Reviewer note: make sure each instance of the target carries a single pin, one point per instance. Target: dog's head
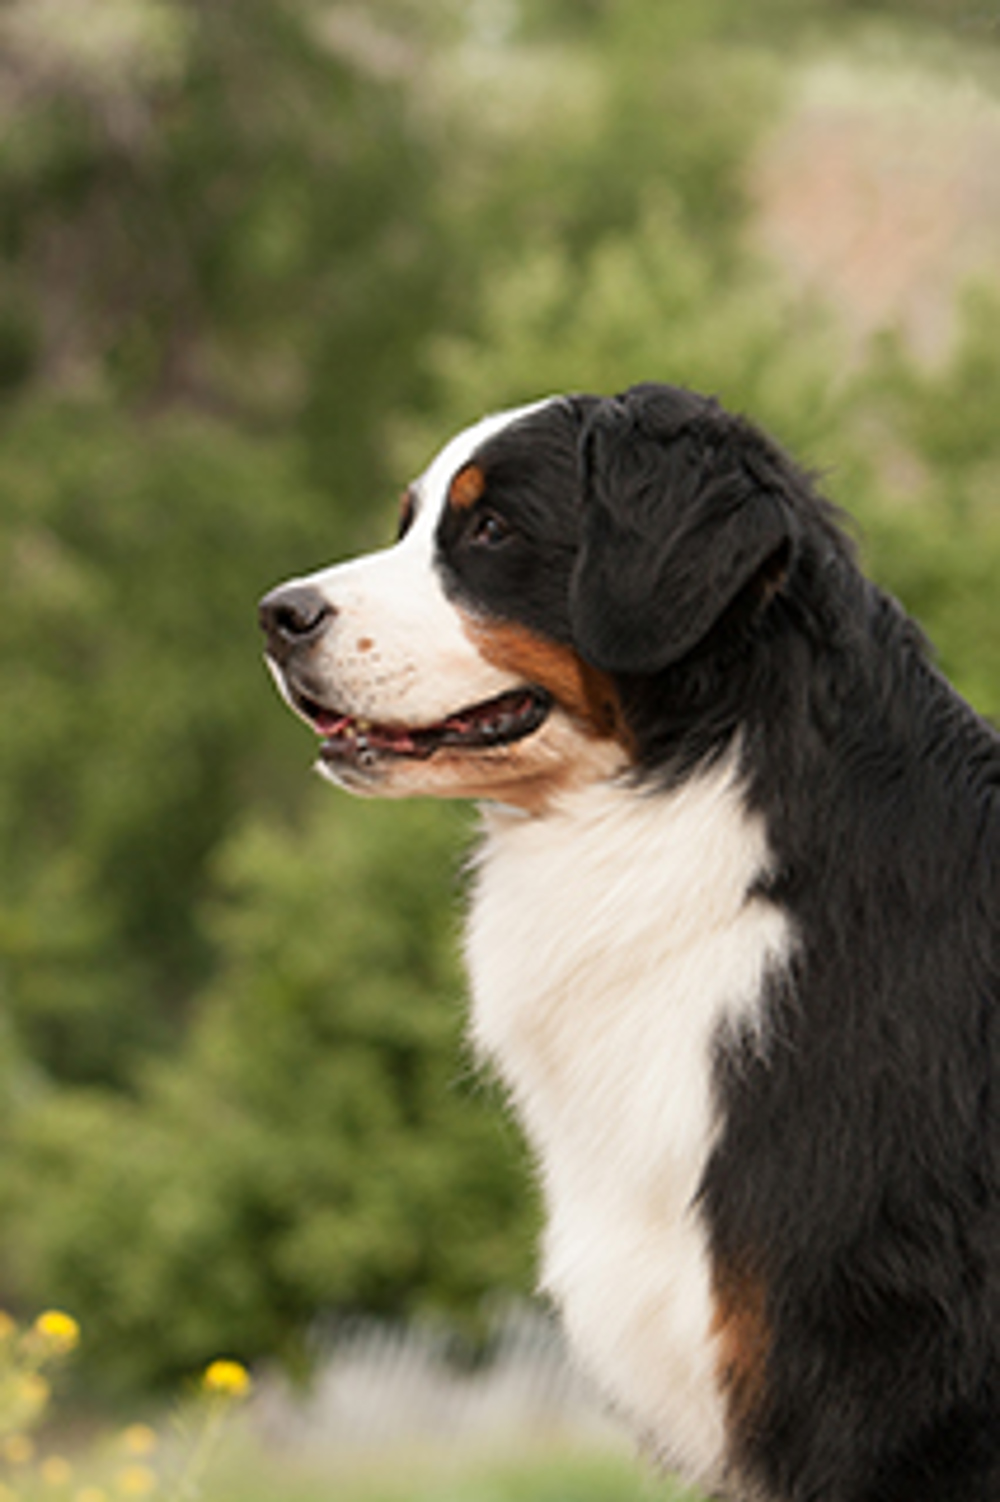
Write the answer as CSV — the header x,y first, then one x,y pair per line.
x,y
553,563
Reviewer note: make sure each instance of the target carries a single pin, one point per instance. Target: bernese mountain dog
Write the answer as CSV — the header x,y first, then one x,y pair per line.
x,y
734,938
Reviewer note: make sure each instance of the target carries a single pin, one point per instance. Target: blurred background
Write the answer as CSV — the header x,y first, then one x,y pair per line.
x,y
259,258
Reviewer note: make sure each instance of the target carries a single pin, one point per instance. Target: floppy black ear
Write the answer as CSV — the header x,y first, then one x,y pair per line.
x,y
680,515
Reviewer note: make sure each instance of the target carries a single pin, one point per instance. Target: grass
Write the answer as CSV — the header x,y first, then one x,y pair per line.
x,y
538,1475
214,1447
247,1472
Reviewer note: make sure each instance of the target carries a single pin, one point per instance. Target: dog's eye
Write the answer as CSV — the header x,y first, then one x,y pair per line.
x,y
489,530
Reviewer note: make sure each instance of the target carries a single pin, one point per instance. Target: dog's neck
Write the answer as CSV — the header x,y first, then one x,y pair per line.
x,y
577,915
608,946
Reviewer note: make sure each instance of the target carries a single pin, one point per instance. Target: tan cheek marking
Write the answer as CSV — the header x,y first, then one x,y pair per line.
x,y
466,488
739,1324
586,694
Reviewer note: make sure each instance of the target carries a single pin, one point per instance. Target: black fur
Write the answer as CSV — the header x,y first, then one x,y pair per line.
x,y
532,479
856,1178
682,511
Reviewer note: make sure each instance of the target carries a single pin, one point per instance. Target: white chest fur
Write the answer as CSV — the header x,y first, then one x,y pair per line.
x,y
607,944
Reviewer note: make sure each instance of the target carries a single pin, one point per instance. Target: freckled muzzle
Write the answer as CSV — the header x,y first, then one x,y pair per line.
x,y
296,617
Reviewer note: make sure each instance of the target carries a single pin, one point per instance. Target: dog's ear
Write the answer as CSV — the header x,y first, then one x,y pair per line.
x,y
681,513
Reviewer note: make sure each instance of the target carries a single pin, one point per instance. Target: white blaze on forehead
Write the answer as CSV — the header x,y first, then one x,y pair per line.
x,y
432,487
396,650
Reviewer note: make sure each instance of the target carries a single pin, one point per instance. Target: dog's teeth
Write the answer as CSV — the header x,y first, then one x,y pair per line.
x,y
363,726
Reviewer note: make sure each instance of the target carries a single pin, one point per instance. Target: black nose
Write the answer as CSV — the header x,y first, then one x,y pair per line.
x,y
293,616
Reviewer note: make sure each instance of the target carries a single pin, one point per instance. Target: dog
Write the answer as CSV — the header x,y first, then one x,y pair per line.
x,y
734,934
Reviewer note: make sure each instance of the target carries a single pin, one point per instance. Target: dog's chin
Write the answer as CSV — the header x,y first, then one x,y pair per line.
x,y
527,773
443,774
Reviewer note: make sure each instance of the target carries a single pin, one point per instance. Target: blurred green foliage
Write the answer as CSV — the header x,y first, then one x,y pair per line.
x,y
131,693
314,1146
257,261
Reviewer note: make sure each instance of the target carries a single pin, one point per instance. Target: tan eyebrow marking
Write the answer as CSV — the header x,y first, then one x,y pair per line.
x,y
466,487
407,510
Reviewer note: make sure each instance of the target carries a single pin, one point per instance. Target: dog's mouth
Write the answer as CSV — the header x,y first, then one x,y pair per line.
x,y
487,726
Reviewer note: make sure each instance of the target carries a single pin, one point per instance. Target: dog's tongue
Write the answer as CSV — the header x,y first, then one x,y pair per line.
x,y
331,725
346,728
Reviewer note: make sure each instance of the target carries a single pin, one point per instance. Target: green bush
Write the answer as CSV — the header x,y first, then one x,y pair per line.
x,y
134,718
316,1146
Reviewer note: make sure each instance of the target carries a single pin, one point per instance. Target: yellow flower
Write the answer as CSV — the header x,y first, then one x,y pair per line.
x,y
135,1481
18,1449
88,1494
139,1439
55,1470
59,1331
228,1378
8,1329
